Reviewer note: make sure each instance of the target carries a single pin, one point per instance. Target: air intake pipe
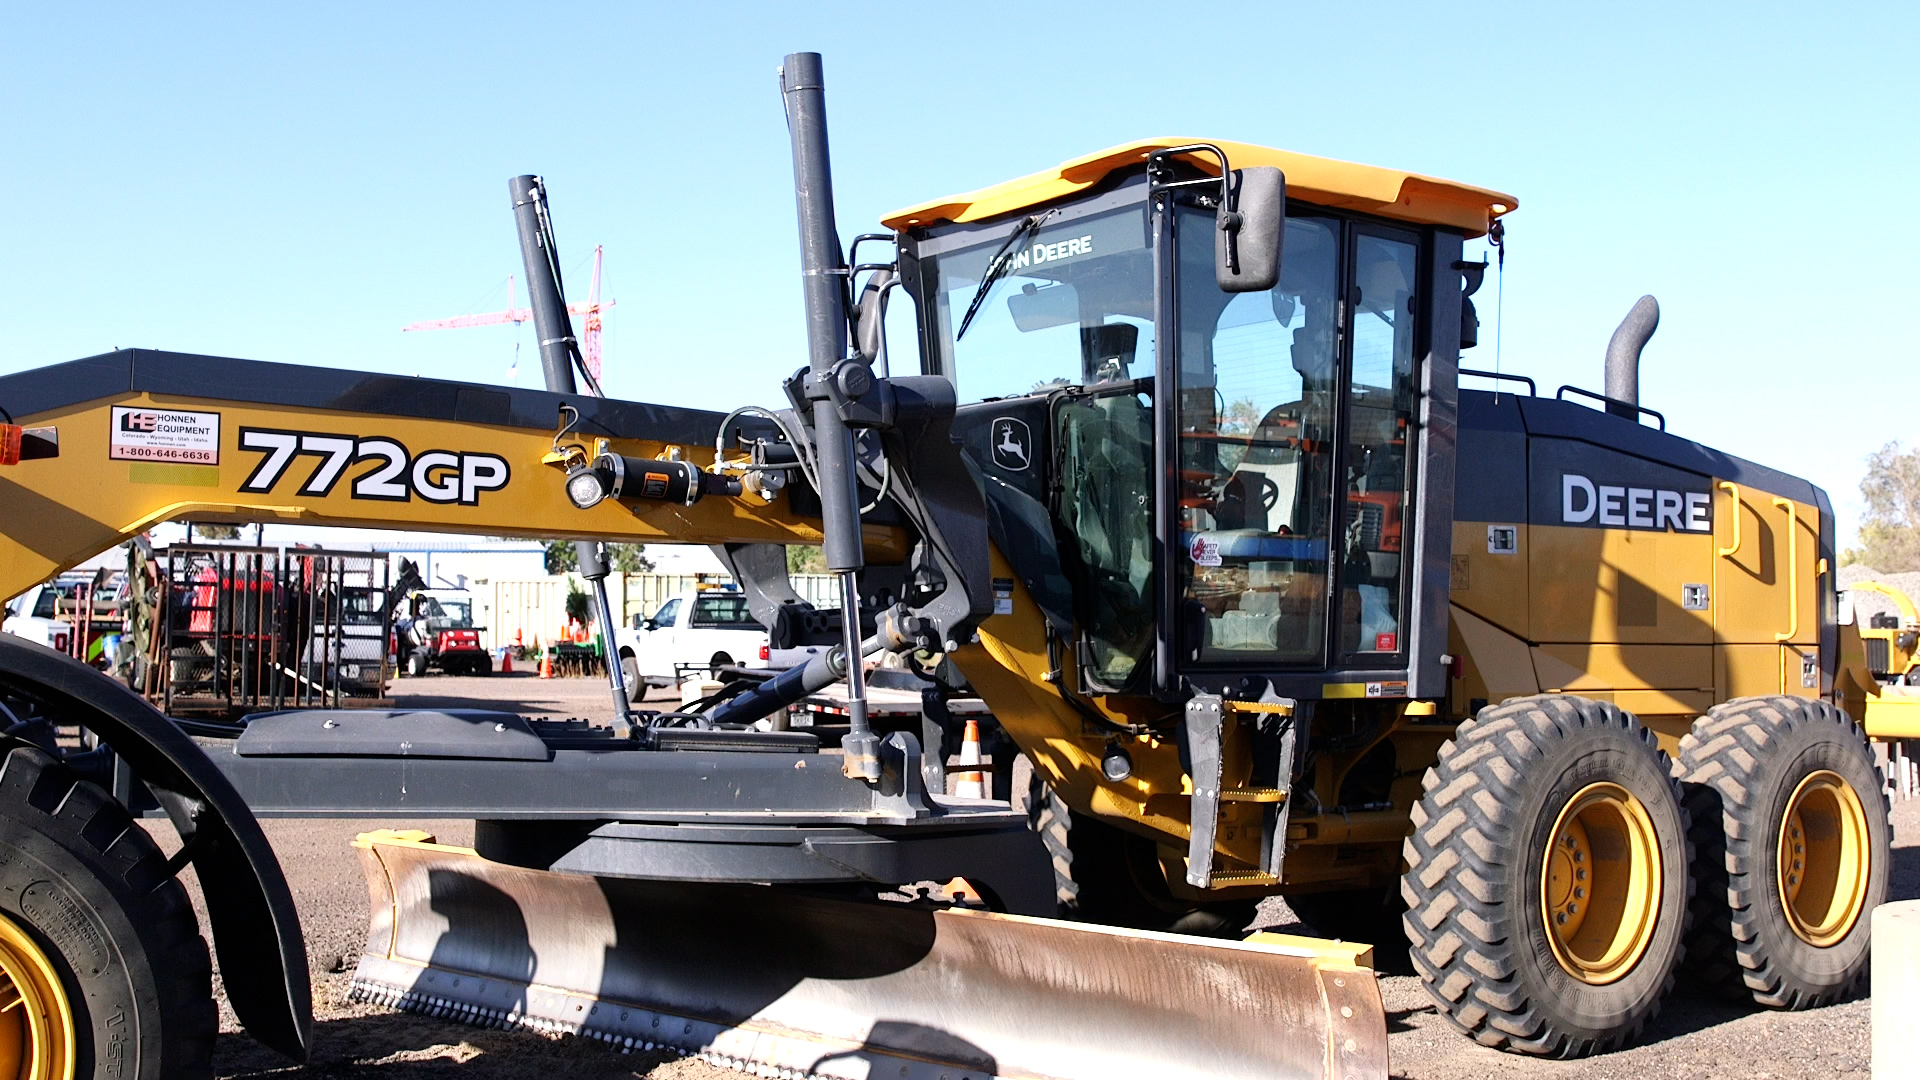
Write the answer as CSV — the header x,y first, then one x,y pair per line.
x,y
1623,357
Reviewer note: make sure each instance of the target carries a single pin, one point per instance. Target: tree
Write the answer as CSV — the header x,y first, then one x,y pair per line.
x,y
621,558
213,532
578,605
806,559
629,559
1890,533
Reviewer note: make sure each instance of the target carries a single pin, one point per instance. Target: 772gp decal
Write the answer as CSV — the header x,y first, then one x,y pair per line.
x,y
438,476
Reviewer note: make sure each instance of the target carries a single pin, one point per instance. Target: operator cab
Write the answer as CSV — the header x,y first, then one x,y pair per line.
x,y
1274,524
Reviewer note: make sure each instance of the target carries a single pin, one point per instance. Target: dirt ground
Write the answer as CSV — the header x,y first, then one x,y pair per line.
x,y
1693,1037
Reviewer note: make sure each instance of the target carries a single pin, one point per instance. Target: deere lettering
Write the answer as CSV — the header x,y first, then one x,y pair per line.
x,y
1583,502
1046,253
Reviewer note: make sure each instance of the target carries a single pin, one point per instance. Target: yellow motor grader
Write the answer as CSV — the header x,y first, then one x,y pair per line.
x,y
1532,694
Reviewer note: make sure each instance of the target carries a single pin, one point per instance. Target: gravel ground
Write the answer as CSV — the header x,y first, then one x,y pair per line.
x,y
1693,1037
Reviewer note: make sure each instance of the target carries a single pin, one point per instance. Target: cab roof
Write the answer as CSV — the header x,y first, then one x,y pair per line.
x,y
1341,185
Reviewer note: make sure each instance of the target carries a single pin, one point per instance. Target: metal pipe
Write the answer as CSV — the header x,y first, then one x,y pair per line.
x,y
1623,355
550,323
823,275
593,566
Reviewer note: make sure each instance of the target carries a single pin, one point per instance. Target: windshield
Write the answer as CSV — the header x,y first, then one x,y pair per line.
x,y
447,613
1073,304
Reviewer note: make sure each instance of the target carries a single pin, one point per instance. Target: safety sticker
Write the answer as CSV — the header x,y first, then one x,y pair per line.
x,y
1205,551
1003,596
185,438
653,485
1386,689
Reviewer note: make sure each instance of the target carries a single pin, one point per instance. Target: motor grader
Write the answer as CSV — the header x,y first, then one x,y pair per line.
x,y
1186,489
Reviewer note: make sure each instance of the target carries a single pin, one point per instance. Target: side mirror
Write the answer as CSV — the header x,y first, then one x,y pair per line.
x,y
869,324
1253,218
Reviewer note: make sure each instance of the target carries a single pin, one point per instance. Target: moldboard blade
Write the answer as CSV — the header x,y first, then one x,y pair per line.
x,y
786,984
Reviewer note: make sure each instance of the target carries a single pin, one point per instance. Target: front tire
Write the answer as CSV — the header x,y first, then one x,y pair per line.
x,y
86,903
1547,877
1108,876
1765,776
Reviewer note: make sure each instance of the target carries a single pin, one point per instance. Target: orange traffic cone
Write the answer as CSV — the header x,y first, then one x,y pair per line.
x,y
970,783
546,665
506,661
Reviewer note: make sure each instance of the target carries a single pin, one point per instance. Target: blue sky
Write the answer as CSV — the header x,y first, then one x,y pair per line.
x,y
278,184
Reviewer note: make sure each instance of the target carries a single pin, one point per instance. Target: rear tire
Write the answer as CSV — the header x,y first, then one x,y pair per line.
x,y
416,663
1743,765
89,888
1107,876
1547,877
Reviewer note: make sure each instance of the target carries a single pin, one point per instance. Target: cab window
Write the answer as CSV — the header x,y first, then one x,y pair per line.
x,y
667,612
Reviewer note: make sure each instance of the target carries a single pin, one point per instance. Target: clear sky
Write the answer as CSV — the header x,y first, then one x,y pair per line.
x,y
295,185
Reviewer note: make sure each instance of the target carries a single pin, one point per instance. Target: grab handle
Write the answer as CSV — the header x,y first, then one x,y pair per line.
x,y
1734,490
1793,570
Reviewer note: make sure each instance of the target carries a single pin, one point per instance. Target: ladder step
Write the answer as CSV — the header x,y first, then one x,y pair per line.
x,y
1254,795
1225,879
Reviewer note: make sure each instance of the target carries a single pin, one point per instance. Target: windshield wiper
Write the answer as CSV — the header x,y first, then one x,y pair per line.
x,y
998,265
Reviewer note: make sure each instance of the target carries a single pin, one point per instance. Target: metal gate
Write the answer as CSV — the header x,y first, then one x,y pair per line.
x,y
248,629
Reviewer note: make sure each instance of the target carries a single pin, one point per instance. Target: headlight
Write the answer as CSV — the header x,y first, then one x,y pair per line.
x,y
586,487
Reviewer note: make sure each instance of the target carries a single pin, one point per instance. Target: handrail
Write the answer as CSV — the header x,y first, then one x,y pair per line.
x,y
1732,489
1477,373
1561,395
1793,570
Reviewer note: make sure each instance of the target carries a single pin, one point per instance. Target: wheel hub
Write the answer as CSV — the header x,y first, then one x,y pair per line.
x,y
1822,859
36,1023
1600,884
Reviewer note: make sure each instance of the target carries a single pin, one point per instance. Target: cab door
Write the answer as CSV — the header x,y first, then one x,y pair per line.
x,y
1766,593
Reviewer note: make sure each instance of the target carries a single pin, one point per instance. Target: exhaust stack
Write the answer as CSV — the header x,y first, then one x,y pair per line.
x,y
1623,356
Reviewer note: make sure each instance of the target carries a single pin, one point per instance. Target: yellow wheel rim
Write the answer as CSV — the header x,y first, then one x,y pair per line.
x,y
1823,862
1600,884
36,1024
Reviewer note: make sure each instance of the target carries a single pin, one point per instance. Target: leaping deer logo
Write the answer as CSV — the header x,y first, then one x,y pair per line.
x,y
1010,440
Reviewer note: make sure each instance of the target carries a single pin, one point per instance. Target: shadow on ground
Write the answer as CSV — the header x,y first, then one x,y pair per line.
x,y
402,1046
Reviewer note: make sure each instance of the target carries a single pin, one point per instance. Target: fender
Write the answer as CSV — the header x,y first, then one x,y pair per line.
x,y
256,931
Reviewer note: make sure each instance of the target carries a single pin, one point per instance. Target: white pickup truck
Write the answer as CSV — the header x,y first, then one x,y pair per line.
x,y
693,632
34,615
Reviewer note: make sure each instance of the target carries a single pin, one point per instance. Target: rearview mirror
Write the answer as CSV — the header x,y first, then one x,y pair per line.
x,y
1252,219
1034,308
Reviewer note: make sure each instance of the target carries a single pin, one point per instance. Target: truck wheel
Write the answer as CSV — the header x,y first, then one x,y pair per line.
x,y
96,938
1107,876
636,687
715,663
416,663
1372,916
1547,877
1791,850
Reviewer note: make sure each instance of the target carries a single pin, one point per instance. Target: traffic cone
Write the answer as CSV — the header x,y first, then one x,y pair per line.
x,y
506,661
546,665
970,783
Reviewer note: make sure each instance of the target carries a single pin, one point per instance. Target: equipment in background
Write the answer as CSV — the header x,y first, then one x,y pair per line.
x,y
436,632
591,318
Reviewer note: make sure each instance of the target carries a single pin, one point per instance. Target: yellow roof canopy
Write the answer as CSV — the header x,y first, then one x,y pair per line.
x,y
1323,181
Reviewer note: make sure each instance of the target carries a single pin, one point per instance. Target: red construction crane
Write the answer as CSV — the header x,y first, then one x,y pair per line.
x,y
590,312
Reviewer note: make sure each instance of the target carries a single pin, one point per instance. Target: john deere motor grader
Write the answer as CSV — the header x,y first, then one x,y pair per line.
x,y
1186,490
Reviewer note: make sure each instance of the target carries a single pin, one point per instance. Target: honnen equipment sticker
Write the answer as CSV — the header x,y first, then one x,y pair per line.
x,y
187,438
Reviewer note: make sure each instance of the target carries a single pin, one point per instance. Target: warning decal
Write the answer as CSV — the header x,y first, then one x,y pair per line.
x,y
187,438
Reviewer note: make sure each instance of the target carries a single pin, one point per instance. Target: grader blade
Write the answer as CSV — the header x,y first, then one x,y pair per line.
x,y
782,984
